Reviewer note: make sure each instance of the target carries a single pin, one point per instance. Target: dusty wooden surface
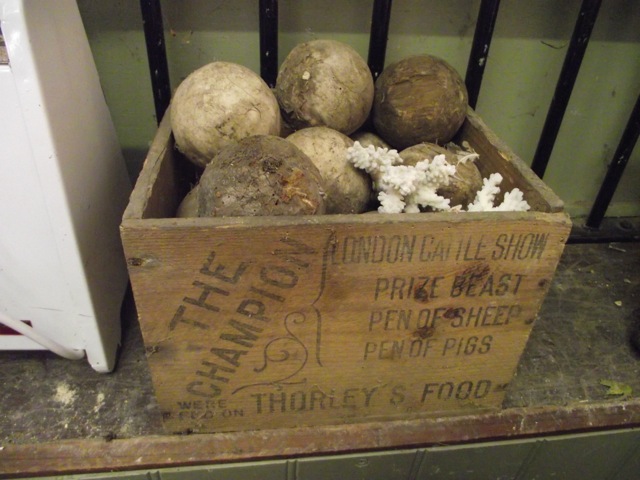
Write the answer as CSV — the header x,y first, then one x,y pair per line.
x,y
71,418
305,329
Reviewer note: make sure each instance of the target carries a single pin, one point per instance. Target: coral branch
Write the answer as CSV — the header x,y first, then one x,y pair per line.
x,y
404,188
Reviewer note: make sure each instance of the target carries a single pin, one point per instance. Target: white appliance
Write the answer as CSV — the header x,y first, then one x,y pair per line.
x,y
63,188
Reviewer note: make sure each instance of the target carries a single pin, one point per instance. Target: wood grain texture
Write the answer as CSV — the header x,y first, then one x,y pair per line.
x,y
79,456
310,326
579,339
497,156
253,322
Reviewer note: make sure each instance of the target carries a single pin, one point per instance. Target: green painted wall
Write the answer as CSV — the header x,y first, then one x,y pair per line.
x,y
613,455
528,49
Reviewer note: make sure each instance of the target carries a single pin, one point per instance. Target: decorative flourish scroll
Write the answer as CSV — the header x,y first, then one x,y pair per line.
x,y
287,355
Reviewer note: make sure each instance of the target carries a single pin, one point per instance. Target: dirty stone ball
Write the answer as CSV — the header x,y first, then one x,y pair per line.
x,y
367,138
188,207
419,99
260,175
325,83
348,189
463,186
218,105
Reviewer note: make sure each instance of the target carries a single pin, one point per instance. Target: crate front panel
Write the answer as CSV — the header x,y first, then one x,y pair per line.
x,y
255,326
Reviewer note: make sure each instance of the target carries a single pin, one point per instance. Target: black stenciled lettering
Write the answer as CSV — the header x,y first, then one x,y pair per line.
x,y
375,249
207,290
212,372
315,399
277,401
349,398
457,346
539,244
365,249
379,246
229,355
350,252
368,395
267,294
464,390
382,285
395,349
258,397
397,287
398,394
278,276
479,285
467,252
246,338
457,288
485,344
400,249
218,271
201,404
298,401
421,288
445,391
432,249
487,288
520,246
253,309
203,389
503,285
179,317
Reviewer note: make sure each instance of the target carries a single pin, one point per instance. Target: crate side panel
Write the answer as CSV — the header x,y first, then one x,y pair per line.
x,y
497,157
256,326
165,178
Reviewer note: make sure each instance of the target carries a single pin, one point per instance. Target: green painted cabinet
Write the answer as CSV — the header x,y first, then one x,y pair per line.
x,y
609,455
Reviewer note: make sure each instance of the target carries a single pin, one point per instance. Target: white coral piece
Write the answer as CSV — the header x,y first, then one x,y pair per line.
x,y
371,159
404,188
485,198
391,202
403,179
437,171
513,202
487,194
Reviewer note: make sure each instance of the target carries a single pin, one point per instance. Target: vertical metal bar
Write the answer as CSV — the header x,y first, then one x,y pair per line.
x,y
157,55
379,35
480,48
616,168
269,41
568,74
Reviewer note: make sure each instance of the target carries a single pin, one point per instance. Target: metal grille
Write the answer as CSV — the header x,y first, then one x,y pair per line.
x,y
595,229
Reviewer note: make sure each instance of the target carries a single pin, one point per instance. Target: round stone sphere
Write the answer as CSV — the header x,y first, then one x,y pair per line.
x,y
325,83
260,175
419,99
218,105
347,188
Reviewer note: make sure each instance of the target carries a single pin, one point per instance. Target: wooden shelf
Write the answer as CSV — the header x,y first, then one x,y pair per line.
x,y
63,417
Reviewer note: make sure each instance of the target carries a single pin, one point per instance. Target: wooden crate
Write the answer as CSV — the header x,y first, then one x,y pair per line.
x,y
270,322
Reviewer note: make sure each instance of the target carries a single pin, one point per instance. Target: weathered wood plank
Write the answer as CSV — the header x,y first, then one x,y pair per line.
x,y
497,156
80,456
335,318
337,322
